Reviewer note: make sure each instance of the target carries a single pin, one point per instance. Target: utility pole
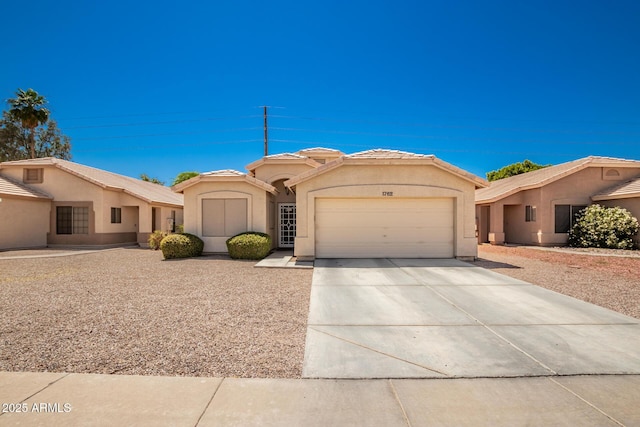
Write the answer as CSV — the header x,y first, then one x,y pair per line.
x,y
266,133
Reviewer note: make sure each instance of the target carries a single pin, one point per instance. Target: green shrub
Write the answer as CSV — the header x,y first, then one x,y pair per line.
x,y
249,245
602,227
155,238
183,245
180,228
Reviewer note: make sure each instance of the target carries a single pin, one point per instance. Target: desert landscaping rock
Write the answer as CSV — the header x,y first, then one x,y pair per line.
x,y
129,312
611,282
126,311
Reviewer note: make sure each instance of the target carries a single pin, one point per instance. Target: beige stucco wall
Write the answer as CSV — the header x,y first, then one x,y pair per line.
x,y
507,223
257,205
271,172
25,222
404,181
68,188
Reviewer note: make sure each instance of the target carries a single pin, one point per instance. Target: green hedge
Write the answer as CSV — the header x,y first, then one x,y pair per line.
x,y
249,245
183,245
602,227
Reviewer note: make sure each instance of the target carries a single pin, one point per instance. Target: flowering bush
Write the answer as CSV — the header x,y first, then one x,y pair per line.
x,y
602,227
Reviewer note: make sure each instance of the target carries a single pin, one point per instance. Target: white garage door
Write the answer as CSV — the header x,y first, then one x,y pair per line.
x,y
384,228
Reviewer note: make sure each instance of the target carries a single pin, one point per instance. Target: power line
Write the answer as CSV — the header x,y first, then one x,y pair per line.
x,y
138,147
441,126
447,150
206,119
150,135
448,138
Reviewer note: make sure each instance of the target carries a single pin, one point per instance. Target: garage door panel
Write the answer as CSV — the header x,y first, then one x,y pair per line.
x,y
369,234
362,228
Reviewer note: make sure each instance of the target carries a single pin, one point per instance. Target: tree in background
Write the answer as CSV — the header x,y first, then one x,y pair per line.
x,y
183,176
145,177
27,130
29,108
514,169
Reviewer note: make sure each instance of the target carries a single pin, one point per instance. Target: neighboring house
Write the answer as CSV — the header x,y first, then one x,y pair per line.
x,y
538,207
49,201
324,204
23,215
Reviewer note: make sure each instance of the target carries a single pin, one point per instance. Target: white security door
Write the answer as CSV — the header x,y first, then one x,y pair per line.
x,y
385,228
287,224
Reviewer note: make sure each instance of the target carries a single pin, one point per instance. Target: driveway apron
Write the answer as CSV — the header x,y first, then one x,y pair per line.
x,y
428,318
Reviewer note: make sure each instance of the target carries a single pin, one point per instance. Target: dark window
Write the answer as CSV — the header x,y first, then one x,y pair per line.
x,y
530,213
64,220
116,215
80,220
565,216
72,220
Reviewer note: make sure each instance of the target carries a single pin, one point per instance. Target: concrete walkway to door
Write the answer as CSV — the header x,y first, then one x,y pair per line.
x,y
417,318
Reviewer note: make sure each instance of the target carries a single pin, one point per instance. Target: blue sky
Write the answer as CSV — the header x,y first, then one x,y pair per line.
x,y
164,87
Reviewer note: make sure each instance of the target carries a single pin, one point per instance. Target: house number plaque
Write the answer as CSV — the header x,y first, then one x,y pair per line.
x,y
387,193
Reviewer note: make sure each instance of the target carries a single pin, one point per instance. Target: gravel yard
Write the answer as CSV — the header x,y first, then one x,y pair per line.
x,y
126,311
612,282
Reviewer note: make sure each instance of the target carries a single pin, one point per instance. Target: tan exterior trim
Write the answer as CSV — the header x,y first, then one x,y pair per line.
x,y
424,160
224,178
282,161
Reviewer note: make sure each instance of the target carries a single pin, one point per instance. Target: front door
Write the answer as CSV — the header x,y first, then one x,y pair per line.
x,y
287,224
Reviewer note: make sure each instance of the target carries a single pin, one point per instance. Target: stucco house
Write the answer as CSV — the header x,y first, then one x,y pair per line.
x,y
538,207
326,204
49,201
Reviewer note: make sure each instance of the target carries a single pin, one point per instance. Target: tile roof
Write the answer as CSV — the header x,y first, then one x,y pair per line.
x,y
282,158
11,187
286,156
224,172
379,153
147,191
505,187
224,175
378,156
620,191
320,150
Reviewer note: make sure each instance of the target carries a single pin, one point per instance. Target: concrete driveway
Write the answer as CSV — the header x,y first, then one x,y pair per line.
x,y
418,318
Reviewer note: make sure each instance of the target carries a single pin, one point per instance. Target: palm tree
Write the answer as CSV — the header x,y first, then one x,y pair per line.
x,y
28,108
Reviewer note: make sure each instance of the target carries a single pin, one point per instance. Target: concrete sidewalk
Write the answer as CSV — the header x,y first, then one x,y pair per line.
x,y
56,399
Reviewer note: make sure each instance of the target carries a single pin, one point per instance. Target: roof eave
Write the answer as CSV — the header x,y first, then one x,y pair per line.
x,y
25,197
427,160
305,176
603,197
179,188
251,167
